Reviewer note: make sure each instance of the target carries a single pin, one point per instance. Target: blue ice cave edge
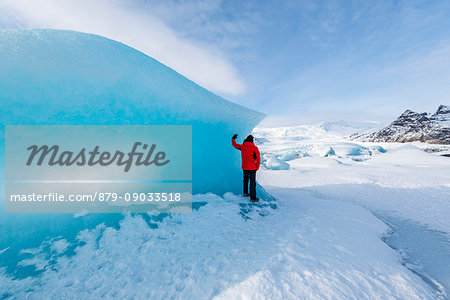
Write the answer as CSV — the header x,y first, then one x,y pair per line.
x,y
67,77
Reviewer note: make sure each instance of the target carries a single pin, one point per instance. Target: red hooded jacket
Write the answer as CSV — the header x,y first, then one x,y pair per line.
x,y
250,155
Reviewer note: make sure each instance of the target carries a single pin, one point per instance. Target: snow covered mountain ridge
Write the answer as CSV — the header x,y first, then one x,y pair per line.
x,y
414,127
320,131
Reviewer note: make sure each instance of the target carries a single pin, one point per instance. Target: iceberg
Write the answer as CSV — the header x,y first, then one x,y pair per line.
x,y
290,155
348,149
274,163
67,77
73,78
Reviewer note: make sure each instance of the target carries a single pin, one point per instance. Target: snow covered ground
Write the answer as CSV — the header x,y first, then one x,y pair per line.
x,y
324,236
402,185
306,247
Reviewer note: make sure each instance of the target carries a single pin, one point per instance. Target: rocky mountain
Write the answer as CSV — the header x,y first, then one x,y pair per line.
x,y
414,127
442,115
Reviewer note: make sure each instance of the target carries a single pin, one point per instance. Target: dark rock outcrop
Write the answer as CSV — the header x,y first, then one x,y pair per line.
x,y
414,127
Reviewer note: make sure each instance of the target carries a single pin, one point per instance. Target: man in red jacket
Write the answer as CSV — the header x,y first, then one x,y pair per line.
x,y
250,164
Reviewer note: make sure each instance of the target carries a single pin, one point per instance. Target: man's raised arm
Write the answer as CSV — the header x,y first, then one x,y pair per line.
x,y
233,141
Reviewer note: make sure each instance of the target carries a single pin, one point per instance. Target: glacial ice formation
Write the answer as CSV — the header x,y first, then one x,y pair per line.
x,y
68,77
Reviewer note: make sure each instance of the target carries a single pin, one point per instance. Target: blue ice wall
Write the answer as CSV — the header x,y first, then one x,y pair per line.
x,y
67,77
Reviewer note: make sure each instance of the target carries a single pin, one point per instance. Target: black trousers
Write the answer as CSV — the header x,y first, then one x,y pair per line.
x,y
250,175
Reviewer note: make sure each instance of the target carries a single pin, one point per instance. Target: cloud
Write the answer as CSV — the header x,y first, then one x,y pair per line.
x,y
140,29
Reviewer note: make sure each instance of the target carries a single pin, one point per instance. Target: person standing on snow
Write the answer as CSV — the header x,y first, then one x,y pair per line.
x,y
250,164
